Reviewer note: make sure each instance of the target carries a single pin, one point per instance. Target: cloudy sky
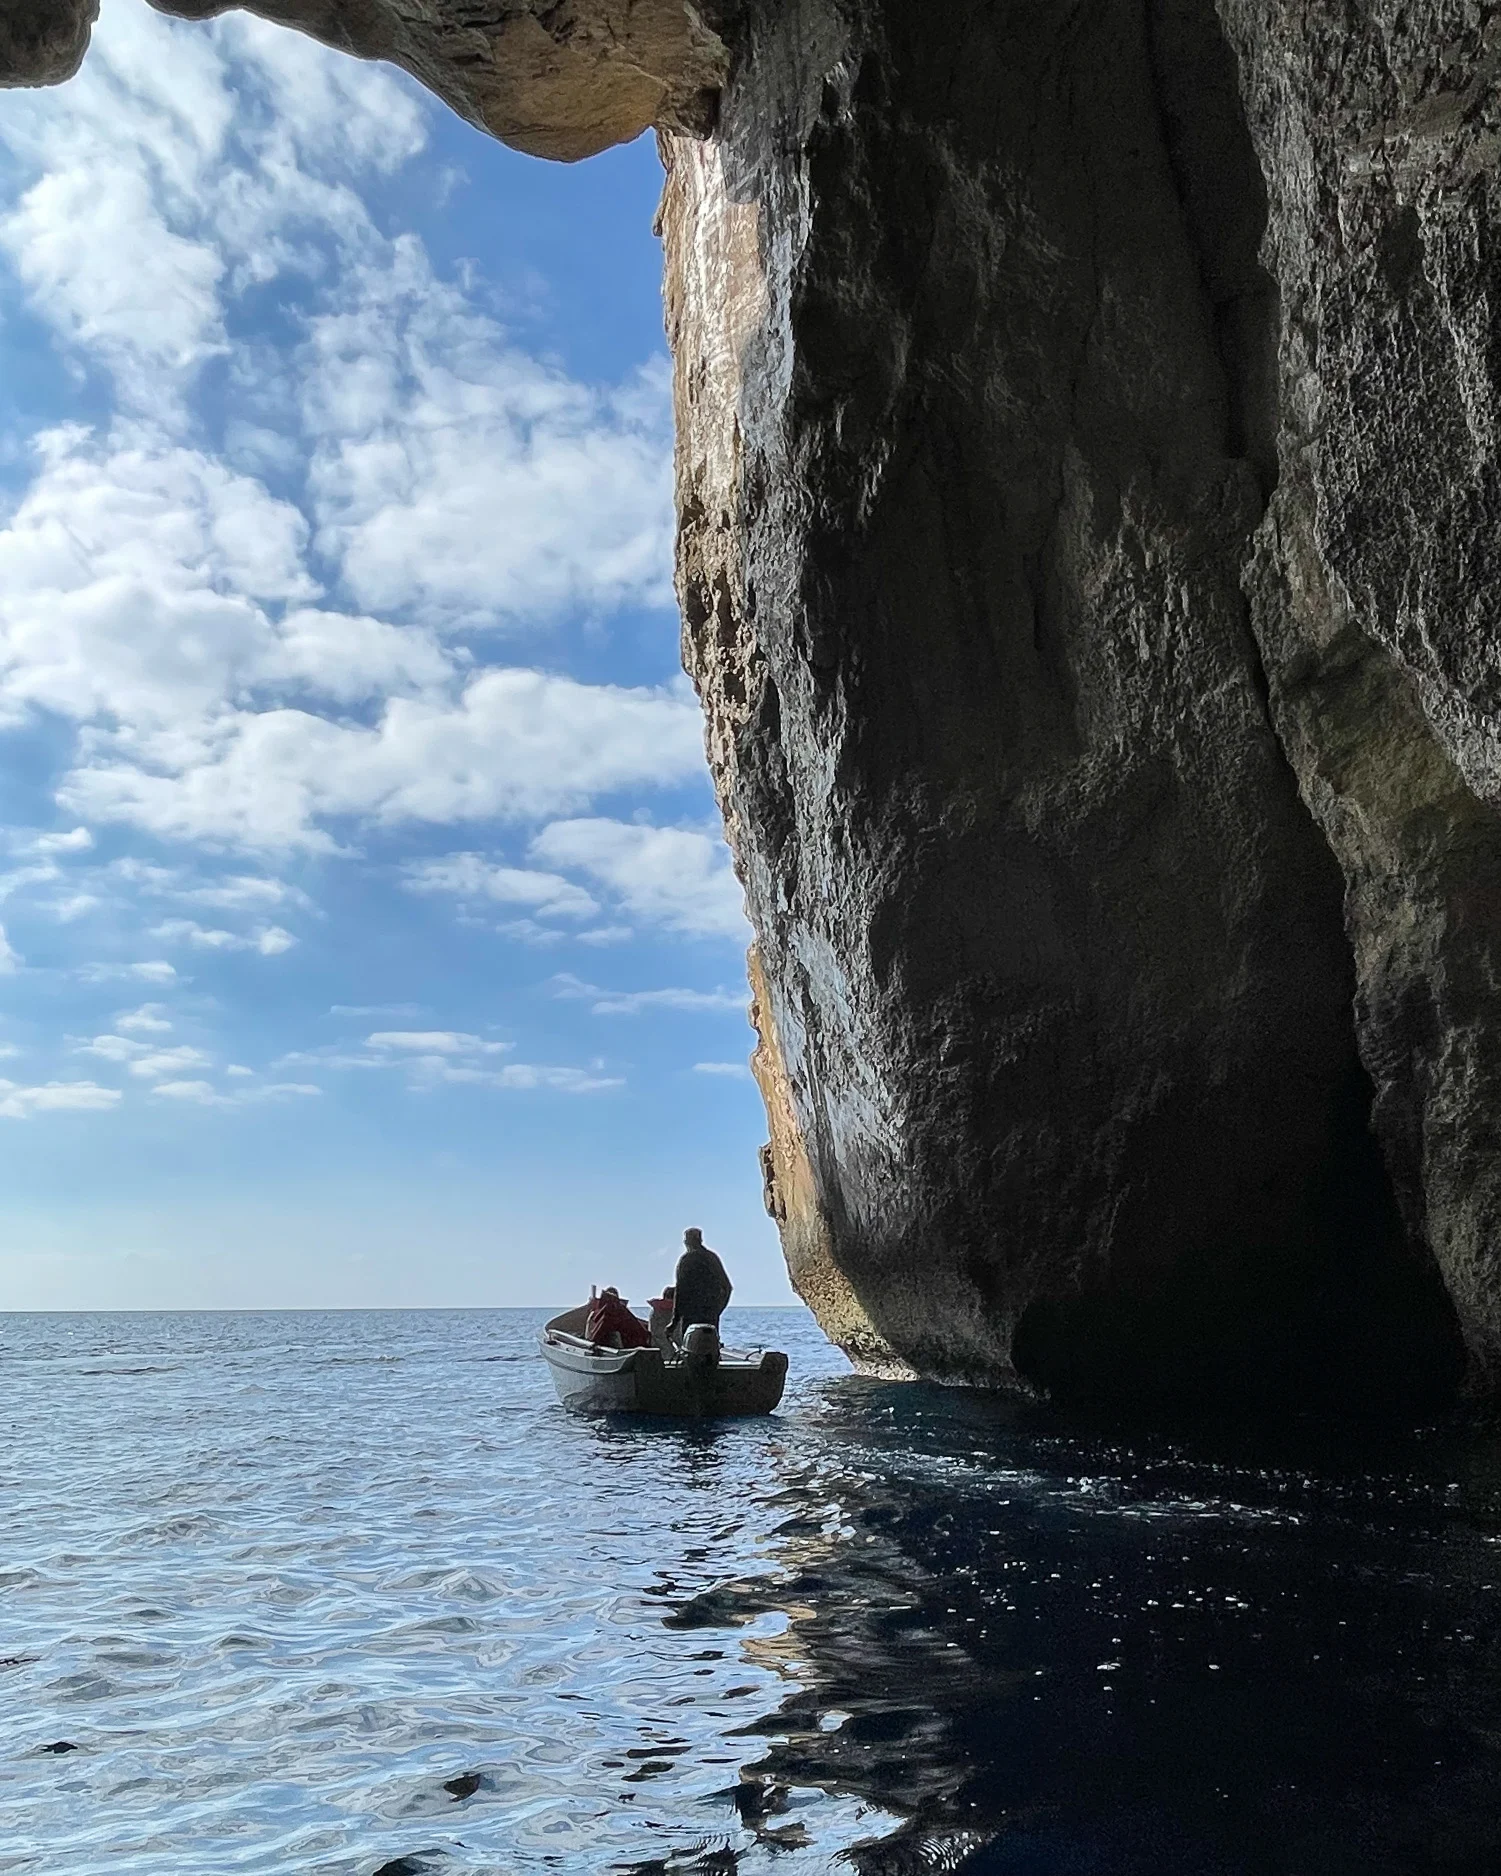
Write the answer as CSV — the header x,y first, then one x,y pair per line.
x,y
368,937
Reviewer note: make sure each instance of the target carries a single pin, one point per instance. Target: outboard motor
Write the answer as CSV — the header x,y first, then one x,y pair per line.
x,y
700,1348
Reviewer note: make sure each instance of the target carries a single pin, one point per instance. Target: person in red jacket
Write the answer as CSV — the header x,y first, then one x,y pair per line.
x,y
661,1314
612,1325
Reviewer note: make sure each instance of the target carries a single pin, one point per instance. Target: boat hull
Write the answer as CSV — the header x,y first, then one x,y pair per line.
x,y
643,1381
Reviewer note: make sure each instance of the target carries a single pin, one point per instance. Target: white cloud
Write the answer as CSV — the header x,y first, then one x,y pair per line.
x,y
20,877
520,1075
434,1042
632,1002
672,877
143,1059
230,892
18,1103
269,940
468,876
342,1056
244,892
507,744
163,601
113,1048
158,1062
460,479
149,1019
75,840
71,906
10,959
376,1009
730,1070
148,971
439,1058
100,260
178,168
527,931
204,1093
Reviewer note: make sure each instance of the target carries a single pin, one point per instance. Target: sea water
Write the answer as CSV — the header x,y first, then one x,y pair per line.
x,y
350,1592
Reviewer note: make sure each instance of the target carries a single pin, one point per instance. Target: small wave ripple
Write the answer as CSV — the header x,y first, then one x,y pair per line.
x,y
349,1594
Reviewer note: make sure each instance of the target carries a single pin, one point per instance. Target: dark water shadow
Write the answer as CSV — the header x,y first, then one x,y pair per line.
x,y
1054,1649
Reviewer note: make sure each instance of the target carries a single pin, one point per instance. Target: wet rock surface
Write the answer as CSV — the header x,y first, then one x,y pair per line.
x,y
1088,494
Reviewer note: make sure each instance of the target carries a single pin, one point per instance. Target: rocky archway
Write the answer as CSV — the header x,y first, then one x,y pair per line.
x,y
1088,493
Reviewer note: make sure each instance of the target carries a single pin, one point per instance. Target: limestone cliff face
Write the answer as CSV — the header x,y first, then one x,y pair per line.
x,y
1088,496
978,415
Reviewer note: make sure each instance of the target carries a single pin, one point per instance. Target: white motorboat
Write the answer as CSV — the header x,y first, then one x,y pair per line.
x,y
706,1380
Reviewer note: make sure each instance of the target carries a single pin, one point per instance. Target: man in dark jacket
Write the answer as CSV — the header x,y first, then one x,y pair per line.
x,y
701,1287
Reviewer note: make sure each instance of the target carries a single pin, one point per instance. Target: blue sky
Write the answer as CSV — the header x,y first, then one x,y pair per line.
x,y
368,935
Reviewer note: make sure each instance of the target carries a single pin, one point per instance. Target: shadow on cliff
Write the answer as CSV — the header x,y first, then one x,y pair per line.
x,y
1344,1316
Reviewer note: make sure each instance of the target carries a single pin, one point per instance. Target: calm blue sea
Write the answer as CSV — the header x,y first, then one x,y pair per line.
x,y
350,1593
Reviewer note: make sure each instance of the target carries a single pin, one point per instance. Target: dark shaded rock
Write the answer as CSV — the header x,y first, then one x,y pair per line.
x,y
1089,508
1375,584
60,1746
43,42
976,415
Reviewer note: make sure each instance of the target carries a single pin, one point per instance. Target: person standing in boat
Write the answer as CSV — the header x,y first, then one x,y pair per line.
x,y
701,1286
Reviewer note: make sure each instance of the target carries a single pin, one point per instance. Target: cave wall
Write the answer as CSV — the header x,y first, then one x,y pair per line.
x,y
1086,463
1374,583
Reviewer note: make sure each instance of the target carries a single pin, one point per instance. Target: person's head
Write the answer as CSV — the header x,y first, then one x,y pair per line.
x,y
610,1290
693,1238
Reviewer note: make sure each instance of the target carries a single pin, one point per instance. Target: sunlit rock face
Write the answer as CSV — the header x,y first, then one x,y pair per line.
x,y
556,78
1087,482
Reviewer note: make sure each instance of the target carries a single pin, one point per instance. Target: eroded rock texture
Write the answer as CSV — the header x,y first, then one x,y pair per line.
x,y
1088,484
1377,579
978,415
43,42
557,78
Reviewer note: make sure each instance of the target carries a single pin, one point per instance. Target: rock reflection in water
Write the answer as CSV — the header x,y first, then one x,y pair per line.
x,y
1052,1652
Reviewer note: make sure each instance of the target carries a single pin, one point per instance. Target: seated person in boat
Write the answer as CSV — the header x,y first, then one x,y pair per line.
x,y
701,1287
661,1314
612,1324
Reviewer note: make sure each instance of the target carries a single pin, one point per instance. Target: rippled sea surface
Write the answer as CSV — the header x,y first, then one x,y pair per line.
x,y
351,1593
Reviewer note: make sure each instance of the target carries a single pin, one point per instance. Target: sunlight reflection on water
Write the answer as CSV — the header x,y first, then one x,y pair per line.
x,y
350,1593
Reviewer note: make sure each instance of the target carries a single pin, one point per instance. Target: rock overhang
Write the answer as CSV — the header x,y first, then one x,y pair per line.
x,y
1101,737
